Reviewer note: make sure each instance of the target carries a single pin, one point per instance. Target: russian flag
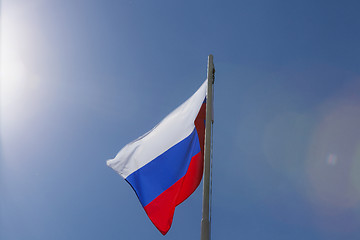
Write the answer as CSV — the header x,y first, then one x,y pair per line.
x,y
165,165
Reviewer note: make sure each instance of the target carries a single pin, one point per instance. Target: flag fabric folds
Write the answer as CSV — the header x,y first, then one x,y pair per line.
x,y
165,165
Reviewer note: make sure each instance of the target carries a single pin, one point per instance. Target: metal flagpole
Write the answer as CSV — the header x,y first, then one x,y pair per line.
x,y
205,221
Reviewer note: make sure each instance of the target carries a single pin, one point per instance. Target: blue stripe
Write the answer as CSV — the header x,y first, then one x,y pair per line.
x,y
161,173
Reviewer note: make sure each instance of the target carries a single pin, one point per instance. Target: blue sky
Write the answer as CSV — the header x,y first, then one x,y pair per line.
x,y
80,79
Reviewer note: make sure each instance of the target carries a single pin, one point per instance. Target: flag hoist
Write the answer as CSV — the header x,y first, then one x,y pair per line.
x,y
165,165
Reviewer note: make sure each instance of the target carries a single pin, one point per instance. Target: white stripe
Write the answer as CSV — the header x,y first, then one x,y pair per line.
x,y
171,130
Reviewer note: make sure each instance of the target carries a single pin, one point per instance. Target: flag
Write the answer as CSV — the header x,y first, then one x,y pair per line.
x,y
165,165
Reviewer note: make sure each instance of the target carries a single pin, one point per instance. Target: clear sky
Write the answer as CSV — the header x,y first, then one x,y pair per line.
x,y
80,79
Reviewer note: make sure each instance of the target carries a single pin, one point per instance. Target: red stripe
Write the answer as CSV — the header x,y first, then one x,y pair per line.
x,y
200,126
161,209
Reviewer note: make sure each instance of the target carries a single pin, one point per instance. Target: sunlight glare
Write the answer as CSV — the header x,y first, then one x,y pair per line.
x,y
13,69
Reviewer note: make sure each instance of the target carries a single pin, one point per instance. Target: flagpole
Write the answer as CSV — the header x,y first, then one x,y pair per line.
x,y
205,221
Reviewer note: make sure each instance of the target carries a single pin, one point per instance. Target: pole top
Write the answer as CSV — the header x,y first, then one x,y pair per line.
x,y
211,67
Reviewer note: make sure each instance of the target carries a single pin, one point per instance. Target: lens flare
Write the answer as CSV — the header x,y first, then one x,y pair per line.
x,y
333,164
331,159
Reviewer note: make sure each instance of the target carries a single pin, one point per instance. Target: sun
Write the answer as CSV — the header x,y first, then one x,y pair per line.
x,y
13,71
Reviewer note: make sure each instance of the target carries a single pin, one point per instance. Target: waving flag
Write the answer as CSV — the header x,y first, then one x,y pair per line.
x,y
165,165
